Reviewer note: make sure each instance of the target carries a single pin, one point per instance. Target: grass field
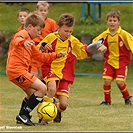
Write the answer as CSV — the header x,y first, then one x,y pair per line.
x,y
83,113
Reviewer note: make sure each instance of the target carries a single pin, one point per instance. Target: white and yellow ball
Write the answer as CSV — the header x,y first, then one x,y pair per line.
x,y
47,111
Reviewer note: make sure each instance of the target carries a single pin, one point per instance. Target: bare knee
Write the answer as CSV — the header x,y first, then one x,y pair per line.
x,y
63,106
119,83
107,82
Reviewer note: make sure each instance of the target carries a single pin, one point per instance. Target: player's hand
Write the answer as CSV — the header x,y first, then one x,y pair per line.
x,y
48,46
61,54
28,43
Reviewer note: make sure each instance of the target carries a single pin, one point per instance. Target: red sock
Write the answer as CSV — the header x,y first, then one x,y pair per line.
x,y
107,93
124,91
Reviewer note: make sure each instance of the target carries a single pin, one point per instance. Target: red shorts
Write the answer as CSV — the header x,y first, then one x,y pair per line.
x,y
62,85
25,80
112,73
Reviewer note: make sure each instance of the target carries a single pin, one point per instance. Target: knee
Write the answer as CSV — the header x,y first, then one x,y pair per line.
x,y
119,83
107,82
51,91
42,91
63,106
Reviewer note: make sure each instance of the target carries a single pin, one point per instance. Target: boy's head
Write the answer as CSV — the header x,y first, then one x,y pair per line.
x,y
34,24
113,20
43,7
114,14
66,24
22,14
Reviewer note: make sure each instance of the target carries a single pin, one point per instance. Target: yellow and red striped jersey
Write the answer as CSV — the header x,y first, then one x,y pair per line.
x,y
119,47
64,67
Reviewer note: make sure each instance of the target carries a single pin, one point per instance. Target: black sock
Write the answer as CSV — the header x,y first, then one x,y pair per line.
x,y
31,104
25,100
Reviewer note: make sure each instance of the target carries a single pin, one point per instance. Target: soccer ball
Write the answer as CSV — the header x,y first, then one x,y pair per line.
x,y
47,111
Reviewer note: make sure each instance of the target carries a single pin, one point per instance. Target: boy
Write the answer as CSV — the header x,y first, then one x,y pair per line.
x,y
59,74
50,26
21,50
119,45
22,15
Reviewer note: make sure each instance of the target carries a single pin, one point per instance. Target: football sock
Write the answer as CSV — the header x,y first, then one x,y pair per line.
x,y
107,93
31,104
48,99
58,108
25,100
124,91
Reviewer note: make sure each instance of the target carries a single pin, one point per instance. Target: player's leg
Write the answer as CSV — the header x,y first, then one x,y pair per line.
x,y
61,106
108,77
35,91
121,83
51,85
62,94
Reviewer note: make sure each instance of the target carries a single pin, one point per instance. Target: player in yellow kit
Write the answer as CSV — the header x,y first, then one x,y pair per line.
x,y
59,74
119,45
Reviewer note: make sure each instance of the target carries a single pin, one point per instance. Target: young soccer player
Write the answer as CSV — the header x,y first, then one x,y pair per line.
x,y
21,50
22,15
59,74
50,26
119,45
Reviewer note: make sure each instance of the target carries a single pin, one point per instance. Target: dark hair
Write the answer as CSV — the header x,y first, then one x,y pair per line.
x,y
23,10
66,19
34,19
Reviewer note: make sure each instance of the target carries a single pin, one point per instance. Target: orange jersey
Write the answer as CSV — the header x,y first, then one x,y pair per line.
x,y
50,26
20,28
19,56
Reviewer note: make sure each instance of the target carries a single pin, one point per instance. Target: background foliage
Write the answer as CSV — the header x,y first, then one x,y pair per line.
x,y
9,24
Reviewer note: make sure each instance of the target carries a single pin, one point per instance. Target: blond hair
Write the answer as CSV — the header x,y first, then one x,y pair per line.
x,y
116,14
43,3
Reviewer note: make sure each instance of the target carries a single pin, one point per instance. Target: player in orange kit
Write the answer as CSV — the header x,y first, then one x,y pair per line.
x,y
50,26
22,48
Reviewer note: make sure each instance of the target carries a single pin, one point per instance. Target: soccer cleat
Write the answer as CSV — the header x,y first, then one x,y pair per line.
x,y
24,119
19,122
105,103
128,101
58,118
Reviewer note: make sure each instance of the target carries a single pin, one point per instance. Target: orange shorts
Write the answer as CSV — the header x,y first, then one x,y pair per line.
x,y
25,80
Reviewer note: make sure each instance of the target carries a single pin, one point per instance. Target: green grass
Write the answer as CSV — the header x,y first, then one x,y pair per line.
x,y
83,113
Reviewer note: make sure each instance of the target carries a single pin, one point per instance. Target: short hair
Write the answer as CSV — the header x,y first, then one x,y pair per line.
x,y
23,10
66,19
44,3
116,14
35,20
